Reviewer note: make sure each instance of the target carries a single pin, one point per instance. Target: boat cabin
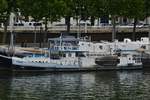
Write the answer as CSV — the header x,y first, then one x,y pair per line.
x,y
65,46
63,43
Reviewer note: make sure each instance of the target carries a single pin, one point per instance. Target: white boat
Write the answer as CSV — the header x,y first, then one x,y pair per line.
x,y
63,53
130,60
126,54
123,61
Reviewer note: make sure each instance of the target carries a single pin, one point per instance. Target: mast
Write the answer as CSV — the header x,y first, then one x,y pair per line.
x,y
11,23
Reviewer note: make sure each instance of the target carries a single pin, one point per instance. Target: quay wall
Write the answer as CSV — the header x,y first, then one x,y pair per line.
x,y
29,34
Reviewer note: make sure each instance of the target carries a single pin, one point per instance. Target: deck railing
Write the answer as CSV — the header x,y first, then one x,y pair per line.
x,y
84,29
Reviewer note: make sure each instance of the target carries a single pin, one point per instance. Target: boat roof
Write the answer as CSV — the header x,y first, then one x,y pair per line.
x,y
64,38
67,50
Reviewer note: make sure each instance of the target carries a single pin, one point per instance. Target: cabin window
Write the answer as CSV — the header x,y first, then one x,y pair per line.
x,y
143,46
64,55
69,55
80,54
101,47
129,58
65,48
118,60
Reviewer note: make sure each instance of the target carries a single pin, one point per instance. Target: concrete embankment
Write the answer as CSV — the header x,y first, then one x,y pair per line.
x,y
30,35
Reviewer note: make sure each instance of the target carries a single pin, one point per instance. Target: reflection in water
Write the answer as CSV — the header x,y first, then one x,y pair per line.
x,y
5,82
126,85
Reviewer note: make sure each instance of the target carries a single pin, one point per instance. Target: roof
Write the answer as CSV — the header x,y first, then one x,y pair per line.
x,y
64,38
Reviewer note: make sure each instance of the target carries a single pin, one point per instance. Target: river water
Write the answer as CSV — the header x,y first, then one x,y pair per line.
x,y
108,85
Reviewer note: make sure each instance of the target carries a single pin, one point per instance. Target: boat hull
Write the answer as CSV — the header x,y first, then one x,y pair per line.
x,y
107,61
19,64
146,63
5,62
39,69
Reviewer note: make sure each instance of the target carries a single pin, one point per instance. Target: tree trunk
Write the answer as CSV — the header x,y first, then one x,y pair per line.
x,y
4,33
147,20
77,21
134,29
68,23
40,39
92,20
114,28
149,32
98,23
45,33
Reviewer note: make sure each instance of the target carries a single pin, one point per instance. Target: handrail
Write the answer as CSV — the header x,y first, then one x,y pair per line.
x,y
74,28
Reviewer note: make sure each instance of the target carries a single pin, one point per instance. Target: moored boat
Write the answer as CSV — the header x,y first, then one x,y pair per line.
x,y
123,61
110,60
5,62
63,53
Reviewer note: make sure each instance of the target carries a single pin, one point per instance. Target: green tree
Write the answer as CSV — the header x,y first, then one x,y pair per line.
x,y
3,5
114,9
147,13
42,9
135,10
97,9
126,8
69,10
55,10
25,7
6,6
4,17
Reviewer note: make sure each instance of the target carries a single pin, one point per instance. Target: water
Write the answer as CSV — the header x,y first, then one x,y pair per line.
x,y
125,85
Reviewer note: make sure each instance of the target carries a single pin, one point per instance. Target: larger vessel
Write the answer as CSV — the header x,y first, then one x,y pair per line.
x,y
63,53
125,55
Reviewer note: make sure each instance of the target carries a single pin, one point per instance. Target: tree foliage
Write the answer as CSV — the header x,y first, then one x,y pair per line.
x,y
3,6
135,8
6,6
3,10
147,8
53,10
